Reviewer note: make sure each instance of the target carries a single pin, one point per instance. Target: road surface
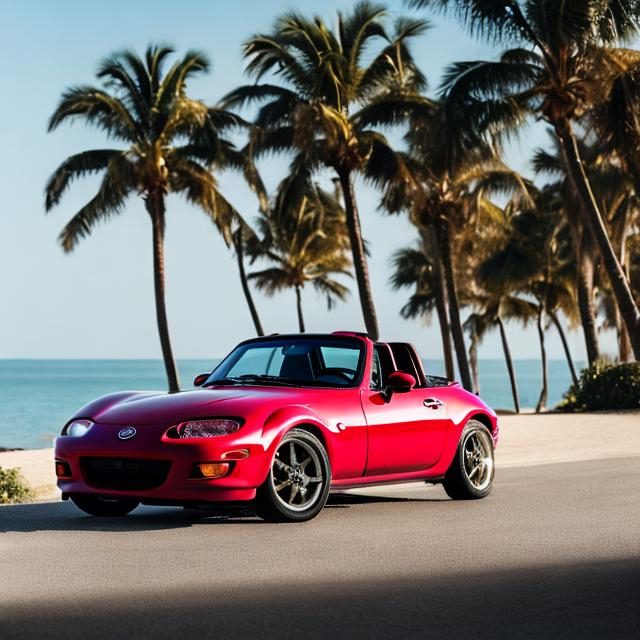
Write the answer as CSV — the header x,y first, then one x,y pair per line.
x,y
554,552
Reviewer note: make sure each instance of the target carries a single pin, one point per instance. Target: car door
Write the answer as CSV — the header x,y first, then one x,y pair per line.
x,y
405,431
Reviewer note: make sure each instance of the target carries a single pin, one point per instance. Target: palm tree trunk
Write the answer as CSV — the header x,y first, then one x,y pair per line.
x,y
510,369
440,295
154,203
445,329
624,345
473,363
360,265
585,279
542,401
299,306
444,244
565,345
239,246
619,282
625,353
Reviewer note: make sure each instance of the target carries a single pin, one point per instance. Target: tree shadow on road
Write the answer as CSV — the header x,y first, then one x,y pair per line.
x,y
597,599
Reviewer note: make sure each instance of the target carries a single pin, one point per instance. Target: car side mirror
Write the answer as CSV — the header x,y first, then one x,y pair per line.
x,y
399,382
200,379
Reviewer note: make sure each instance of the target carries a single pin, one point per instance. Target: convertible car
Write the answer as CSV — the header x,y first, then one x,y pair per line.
x,y
281,422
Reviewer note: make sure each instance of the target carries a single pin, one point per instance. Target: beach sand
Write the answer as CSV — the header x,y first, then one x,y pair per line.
x,y
526,439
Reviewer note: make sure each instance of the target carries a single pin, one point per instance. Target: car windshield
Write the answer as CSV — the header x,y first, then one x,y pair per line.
x,y
297,361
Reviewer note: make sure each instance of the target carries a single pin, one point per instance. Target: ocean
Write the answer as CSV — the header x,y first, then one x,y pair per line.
x,y
37,397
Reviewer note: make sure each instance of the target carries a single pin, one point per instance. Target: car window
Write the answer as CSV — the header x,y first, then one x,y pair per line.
x,y
302,361
376,372
340,358
254,361
275,362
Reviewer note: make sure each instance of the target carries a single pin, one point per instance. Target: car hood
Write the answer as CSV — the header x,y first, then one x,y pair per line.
x,y
156,408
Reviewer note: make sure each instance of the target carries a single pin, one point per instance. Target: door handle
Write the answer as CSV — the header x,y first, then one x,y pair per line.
x,y
433,403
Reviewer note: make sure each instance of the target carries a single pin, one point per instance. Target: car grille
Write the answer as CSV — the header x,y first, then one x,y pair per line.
x,y
124,474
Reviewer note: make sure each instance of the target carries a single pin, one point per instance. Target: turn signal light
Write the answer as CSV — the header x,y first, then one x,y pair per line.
x,y
212,469
236,454
63,470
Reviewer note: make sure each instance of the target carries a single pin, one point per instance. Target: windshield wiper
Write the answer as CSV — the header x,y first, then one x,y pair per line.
x,y
253,378
222,382
260,378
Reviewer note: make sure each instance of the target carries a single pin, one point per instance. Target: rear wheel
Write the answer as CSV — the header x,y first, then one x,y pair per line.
x,y
299,480
96,505
471,473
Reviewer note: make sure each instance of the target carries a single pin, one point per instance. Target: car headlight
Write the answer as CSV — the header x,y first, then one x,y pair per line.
x,y
77,428
207,428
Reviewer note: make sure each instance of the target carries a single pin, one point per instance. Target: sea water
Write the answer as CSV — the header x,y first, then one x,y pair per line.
x,y
37,397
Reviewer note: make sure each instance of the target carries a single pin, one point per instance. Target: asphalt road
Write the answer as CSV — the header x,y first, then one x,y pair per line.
x,y
554,552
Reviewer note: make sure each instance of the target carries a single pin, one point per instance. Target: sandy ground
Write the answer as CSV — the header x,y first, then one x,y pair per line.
x,y
526,439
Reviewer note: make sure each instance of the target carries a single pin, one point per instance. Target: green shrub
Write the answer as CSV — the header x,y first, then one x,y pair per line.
x,y
13,487
604,386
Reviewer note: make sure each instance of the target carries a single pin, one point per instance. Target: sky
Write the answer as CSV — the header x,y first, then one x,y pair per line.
x,y
98,301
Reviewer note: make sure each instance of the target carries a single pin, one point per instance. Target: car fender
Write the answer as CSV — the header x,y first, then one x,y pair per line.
x,y
284,419
463,406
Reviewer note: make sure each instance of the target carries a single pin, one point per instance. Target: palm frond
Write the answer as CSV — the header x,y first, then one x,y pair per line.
x,y
411,268
360,26
419,305
76,166
118,182
331,289
560,24
201,189
247,94
493,20
99,108
271,280
485,79
393,108
544,162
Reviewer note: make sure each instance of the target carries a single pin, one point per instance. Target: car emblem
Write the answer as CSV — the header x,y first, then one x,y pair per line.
x,y
126,433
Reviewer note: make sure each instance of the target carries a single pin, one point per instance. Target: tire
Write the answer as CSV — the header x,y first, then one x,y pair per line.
x,y
470,476
298,482
95,505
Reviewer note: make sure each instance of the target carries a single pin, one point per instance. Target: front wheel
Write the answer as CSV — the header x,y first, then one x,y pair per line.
x,y
471,473
95,505
298,483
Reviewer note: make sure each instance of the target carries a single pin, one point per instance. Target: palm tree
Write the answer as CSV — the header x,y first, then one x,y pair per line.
x,y
617,125
239,241
569,207
477,325
491,229
415,268
495,308
617,199
536,260
305,242
170,143
324,74
441,185
560,63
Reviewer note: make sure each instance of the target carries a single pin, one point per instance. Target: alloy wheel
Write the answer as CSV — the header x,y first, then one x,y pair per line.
x,y
296,475
478,459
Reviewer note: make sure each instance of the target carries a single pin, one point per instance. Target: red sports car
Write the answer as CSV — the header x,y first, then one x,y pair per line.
x,y
281,421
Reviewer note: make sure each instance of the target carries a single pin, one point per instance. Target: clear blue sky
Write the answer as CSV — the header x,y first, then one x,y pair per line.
x,y
98,301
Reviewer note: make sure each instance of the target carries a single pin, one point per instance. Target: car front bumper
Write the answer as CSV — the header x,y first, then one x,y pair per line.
x,y
145,452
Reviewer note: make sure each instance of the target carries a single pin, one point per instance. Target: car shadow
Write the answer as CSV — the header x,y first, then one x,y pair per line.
x,y
348,499
65,516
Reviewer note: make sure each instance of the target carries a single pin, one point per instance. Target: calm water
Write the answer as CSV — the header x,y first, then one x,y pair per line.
x,y
38,396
